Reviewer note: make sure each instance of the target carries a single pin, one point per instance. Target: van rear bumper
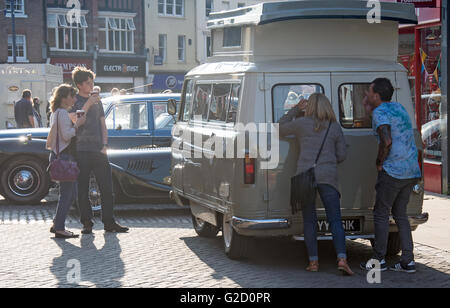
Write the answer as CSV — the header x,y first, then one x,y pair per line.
x,y
258,224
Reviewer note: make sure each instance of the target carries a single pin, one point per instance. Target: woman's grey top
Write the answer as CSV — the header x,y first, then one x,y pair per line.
x,y
334,150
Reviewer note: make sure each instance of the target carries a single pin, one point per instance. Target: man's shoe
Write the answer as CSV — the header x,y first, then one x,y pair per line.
x,y
86,230
367,266
116,228
410,268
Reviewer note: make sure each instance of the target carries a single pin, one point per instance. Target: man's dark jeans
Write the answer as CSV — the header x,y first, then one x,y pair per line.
x,y
393,194
97,163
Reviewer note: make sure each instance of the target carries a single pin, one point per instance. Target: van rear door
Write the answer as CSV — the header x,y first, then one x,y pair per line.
x,y
357,174
283,91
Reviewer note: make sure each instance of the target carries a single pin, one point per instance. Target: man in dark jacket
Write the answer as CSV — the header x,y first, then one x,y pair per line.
x,y
23,111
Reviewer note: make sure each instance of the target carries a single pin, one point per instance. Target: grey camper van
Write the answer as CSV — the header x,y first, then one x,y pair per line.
x,y
264,58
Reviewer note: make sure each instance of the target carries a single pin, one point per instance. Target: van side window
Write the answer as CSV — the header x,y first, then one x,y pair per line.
x,y
351,107
202,95
287,96
219,102
234,103
186,101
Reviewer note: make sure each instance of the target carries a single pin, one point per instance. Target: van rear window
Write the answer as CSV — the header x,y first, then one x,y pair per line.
x,y
351,107
286,96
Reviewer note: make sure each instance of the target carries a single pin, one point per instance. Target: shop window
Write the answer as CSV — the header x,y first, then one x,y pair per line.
x,y
287,96
351,108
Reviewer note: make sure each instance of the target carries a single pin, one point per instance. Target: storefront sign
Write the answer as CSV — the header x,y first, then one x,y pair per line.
x,y
13,70
13,88
121,67
168,82
420,3
69,64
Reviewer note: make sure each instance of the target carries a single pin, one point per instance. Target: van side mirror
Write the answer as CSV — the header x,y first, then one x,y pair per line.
x,y
172,107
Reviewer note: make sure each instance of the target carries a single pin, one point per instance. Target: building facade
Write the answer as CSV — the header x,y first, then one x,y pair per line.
x,y
171,41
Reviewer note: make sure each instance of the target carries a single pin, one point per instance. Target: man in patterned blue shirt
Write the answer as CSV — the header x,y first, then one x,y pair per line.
x,y
398,171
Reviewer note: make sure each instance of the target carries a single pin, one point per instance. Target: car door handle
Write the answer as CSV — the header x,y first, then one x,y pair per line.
x,y
144,134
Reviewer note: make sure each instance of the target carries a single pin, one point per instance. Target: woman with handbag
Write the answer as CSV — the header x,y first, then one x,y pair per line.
x,y
322,148
61,143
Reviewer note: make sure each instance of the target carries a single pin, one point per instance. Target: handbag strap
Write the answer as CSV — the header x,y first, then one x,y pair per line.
x,y
323,143
57,133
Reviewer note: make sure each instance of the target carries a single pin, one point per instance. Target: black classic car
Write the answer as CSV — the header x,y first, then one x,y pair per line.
x,y
139,131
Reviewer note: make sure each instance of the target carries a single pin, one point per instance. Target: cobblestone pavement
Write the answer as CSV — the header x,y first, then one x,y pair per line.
x,y
162,250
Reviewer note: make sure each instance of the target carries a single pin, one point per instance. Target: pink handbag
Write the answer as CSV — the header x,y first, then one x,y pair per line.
x,y
61,170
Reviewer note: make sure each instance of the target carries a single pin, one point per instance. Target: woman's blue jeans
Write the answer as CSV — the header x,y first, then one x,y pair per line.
x,y
331,200
67,195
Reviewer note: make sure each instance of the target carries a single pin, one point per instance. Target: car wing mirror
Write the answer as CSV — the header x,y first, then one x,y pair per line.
x,y
172,108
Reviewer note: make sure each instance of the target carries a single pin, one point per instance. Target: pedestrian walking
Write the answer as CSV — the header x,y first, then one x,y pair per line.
x,y
23,111
322,145
37,113
92,143
61,140
398,171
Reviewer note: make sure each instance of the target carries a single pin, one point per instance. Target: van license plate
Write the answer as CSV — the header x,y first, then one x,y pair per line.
x,y
350,225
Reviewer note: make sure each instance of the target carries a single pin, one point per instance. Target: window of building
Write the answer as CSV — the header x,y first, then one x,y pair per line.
x,y
171,8
287,96
19,6
181,48
226,5
351,107
240,5
66,36
209,7
163,47
21,48
116,34
232,37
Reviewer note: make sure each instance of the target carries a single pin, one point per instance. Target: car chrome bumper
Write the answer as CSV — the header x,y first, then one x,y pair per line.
x,y
414,220
254,224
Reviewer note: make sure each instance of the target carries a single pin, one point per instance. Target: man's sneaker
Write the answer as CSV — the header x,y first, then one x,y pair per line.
x,y
86,230
410,268
116,228
367,266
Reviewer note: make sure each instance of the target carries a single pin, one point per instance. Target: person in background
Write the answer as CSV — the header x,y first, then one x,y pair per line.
x,y
62,134
398,171
123,92
115,92
311,131
37,113
23,111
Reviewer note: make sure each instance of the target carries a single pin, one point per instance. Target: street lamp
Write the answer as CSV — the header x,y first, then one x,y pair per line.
x,y
13,20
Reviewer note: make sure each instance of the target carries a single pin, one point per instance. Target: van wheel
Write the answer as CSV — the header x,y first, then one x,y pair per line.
x,y
394,244
235,245
203,228
24,181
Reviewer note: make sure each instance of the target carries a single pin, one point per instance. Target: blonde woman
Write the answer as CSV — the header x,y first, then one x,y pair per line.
x,y
309,122
63,129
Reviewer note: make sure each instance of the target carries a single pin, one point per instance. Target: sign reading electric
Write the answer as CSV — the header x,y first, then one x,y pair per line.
x,y
121,67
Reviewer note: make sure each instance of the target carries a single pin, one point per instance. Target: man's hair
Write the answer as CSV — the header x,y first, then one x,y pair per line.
x,y
384,88
26,93
81,74
36,99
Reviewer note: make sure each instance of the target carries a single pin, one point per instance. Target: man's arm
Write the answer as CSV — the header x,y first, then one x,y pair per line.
x,y
384,131
31,119
104,134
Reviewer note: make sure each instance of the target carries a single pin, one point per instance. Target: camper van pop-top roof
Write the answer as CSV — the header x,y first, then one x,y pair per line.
x,y
308,29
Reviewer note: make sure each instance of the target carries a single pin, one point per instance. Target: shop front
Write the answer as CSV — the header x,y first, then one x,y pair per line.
x,y
122,73
68,64
167,81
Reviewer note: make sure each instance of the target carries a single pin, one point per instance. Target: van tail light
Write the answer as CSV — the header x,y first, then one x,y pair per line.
x,y
249,170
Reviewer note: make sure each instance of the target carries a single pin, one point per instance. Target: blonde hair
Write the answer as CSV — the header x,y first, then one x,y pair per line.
x,y
319,108
59,93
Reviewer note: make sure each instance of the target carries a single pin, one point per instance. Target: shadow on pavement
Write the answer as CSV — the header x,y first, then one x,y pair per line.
x,y
88,256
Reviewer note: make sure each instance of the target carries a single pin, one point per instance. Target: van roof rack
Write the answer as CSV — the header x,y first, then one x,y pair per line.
x,y
270,12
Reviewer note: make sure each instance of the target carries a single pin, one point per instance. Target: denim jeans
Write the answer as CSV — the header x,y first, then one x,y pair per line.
x,y
393,195
97,163
67,195
331,200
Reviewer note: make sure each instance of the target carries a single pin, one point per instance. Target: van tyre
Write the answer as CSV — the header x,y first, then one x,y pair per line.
x,y
25,181
394,244
235,245
203,228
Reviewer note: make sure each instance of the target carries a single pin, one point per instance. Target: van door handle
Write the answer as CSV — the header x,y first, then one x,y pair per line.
x,y
144,134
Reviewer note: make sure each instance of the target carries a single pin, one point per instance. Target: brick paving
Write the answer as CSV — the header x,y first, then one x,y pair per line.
x,y
162,250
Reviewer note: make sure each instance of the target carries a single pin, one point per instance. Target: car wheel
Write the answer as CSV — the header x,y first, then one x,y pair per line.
x,y
235,245
203,228
25,181
95,197
394,244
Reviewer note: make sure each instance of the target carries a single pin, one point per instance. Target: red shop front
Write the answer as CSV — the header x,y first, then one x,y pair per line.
x,y
420,52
